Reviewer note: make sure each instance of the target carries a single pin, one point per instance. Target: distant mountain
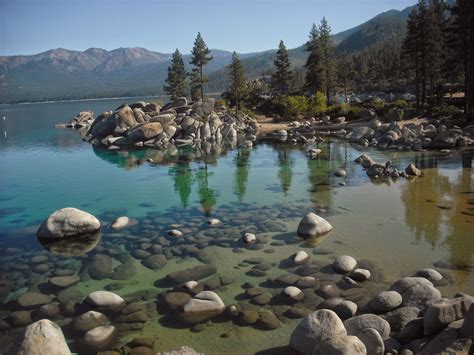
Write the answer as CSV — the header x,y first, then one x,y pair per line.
x,y
66,74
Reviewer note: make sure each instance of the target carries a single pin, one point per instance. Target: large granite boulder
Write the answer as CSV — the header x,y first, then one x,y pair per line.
x,y
68,222
144,131
201,307
416,292
39,338
313,225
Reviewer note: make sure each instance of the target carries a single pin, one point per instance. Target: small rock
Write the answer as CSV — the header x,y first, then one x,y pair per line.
x,y
412,170
120,222
360,275
100,338
250,238
105,300
88,321
294,293
313,225
385,301
300,257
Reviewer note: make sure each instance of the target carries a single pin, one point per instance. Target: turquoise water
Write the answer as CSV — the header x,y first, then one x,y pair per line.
x,y
397,226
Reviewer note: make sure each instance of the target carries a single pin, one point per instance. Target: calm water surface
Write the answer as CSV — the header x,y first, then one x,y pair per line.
x,y
399,227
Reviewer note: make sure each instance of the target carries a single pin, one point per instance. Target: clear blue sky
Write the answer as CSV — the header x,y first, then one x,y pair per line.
x,y
33,26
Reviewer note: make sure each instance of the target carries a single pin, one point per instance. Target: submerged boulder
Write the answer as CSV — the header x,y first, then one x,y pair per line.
x,y
68,222
203,306
313,225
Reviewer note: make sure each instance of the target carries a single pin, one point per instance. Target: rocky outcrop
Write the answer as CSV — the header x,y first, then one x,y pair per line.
x,y
68,222
178,122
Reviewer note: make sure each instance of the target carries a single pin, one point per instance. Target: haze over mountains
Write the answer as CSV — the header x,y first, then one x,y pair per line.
x,y
65,74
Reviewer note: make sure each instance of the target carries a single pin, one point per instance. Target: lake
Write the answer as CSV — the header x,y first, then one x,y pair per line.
x,y
394,228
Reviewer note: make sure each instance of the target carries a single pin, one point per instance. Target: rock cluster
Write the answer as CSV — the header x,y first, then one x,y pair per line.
x,y
178,122
386,133
376,170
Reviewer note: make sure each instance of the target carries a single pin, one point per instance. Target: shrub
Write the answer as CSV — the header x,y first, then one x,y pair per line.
x,y
297,105
221,102
400,103
319,104
444,111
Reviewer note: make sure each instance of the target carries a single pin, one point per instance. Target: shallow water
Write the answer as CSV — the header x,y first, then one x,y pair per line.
x,y
398,226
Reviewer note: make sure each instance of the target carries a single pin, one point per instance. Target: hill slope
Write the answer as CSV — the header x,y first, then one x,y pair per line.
x,y
65,74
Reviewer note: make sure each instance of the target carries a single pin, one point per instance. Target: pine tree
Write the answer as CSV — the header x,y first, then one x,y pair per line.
x,y
312,79
176,82
345,72
200,57
282,76
326,50
462,45
238,89
195,85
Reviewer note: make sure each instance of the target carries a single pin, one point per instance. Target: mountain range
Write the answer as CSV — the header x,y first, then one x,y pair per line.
x,y
66,74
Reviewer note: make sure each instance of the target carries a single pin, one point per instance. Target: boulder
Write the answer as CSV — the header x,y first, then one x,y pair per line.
x,y
356,324
31,299
64,281
68,222
203,306
88,321
144,131
400,317
100,338
416,292
412,170
313,225
372,341
105,300
446,139
344,264
120,222
294,293
430,274
385,301
300,257
314,328
439,315
194,273
39,338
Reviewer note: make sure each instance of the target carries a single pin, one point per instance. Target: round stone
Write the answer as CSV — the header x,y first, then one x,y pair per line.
x,y
100,338
250,238
430,274
88,321
294,293
105,300
344,264
360,275
385,301
64,281
300,257
30,299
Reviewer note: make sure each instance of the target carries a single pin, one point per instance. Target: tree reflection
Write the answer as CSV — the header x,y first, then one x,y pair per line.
x,y
434,206
242,172
285,171
182,178
207,196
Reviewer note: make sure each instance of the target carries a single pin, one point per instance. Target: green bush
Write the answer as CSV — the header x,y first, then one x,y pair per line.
x,y
221,102
444,111
297,105
400,103
354,112
319,104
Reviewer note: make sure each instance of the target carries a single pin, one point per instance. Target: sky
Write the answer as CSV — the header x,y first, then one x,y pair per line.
x,y
34,26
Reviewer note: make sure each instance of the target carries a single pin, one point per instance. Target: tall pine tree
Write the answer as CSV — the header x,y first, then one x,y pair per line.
x,y
312,65
237,88
282,75
327,65
176,82
200,57
195,85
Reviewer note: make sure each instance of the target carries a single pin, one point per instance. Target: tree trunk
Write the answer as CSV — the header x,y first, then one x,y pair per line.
x,y
469,91
201,83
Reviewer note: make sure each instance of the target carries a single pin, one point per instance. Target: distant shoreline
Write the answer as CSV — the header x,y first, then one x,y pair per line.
x,y
96,99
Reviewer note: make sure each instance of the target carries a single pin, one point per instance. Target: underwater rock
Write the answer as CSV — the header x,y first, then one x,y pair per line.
x,y
64,281
344,264
30,299
194,273
72,246
100,338
105,300
88,321
203,306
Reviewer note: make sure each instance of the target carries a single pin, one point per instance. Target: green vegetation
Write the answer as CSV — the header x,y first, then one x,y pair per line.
x,y
176,82
282,75
237,89
200,57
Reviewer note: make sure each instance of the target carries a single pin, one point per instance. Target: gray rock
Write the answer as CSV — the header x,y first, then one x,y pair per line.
x,y
88,321
412,170
347,345
100,338
416,292
183,350
447,342
467,329
319,325
203,306
64,281
360,275
313,225
68,222
439,315
400,317
430,274
194,273
31,299
372,340
385,301
41,337
144,131
105,300
356,324
344,264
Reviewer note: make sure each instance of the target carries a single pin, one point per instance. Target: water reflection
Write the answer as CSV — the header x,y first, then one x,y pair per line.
x,y
242,172
436,205
71,246
285,168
